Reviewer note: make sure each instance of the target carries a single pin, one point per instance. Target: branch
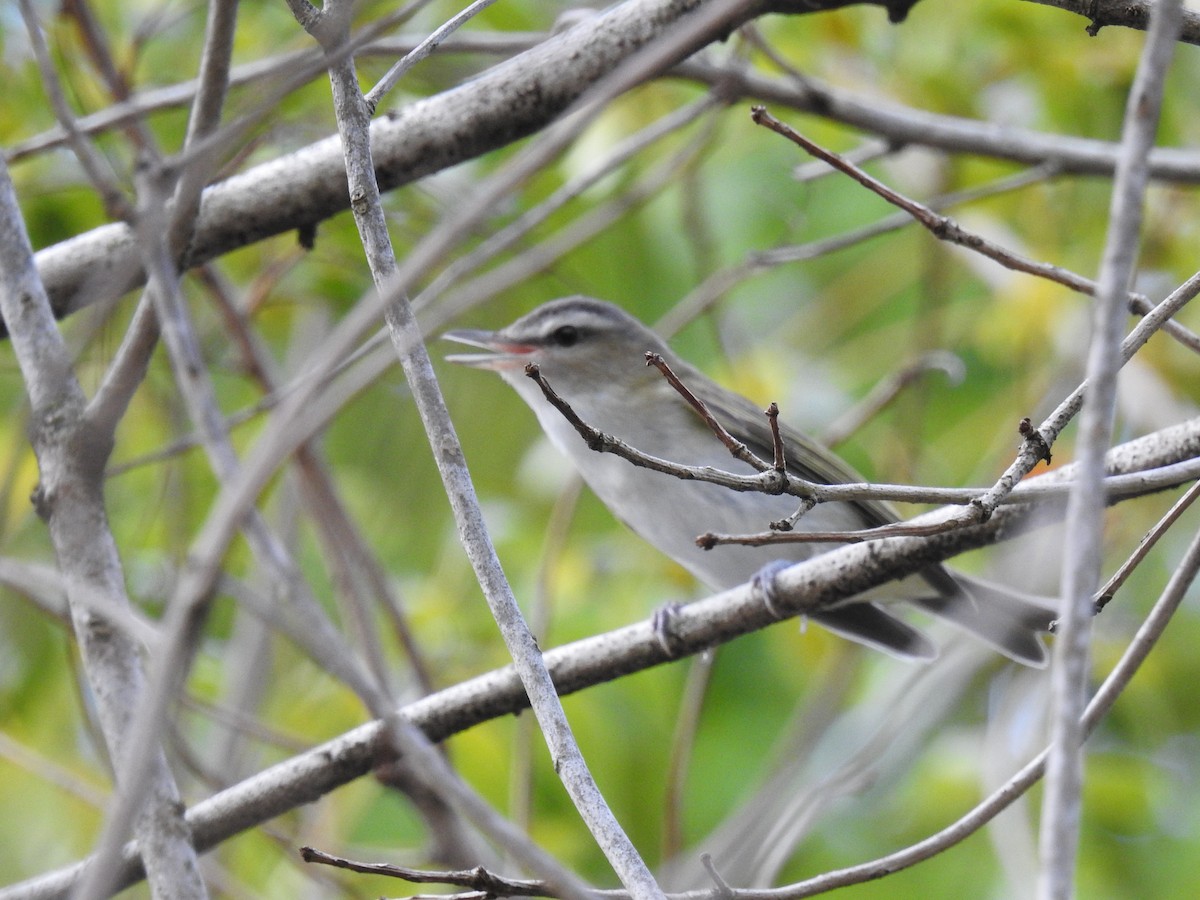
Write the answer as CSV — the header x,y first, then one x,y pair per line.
x,y
1125,14
478,879
595,660
301,189
352,110
1063,801
945,228
69,497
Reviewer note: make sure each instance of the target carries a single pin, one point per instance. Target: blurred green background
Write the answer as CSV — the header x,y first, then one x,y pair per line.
x,y
814,336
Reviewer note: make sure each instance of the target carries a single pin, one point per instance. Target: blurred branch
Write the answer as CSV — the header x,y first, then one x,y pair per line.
x,y
889,388
1063,801
301,189
1145,545
1125,14
158,99
705,295
422,50
71,457
946,229
96,167
903,125
595,660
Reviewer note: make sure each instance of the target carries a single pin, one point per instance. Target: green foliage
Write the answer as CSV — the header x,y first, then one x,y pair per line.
x,y
814,335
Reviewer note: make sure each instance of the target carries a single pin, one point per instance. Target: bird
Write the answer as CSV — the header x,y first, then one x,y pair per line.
x,y
593,354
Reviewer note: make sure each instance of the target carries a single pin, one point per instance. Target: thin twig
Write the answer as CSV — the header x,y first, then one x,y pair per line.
x,y
767,481
1060,819
393,75
947,229
1145,545
478,879
735,447
778,453
698,626
352,113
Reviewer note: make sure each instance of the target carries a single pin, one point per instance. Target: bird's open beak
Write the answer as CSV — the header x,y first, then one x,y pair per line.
x,y
503,353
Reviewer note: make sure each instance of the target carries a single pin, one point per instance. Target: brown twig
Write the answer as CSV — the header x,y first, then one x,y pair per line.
x,y
1106,593
780,461
811,493
947,229
735,447
942,227
767,481
478,879
784,535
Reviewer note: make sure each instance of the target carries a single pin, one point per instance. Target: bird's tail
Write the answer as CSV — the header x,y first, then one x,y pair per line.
x,y
1011,621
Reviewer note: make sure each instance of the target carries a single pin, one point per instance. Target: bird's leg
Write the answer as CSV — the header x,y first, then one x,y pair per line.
x,y
762,583
662,622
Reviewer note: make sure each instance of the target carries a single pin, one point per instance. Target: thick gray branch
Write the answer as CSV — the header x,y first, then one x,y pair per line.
x,y
594,660
508,102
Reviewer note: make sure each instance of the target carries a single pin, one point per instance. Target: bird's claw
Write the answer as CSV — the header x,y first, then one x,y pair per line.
x,y
662,622
762,583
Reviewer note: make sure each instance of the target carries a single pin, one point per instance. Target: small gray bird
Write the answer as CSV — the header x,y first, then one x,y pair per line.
x,y
593,354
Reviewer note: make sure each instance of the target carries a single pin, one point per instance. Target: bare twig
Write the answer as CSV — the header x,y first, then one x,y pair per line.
x,y
1081,558
71,461
1145,545
767,481
1124,14
778,454
352,112
946,229
422,50
698,626
479,879
736,448
1037,442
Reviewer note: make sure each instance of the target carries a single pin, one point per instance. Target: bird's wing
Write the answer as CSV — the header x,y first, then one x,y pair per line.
x,y
806,458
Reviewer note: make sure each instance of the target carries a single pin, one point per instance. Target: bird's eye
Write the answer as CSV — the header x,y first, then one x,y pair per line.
x,y
565,335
